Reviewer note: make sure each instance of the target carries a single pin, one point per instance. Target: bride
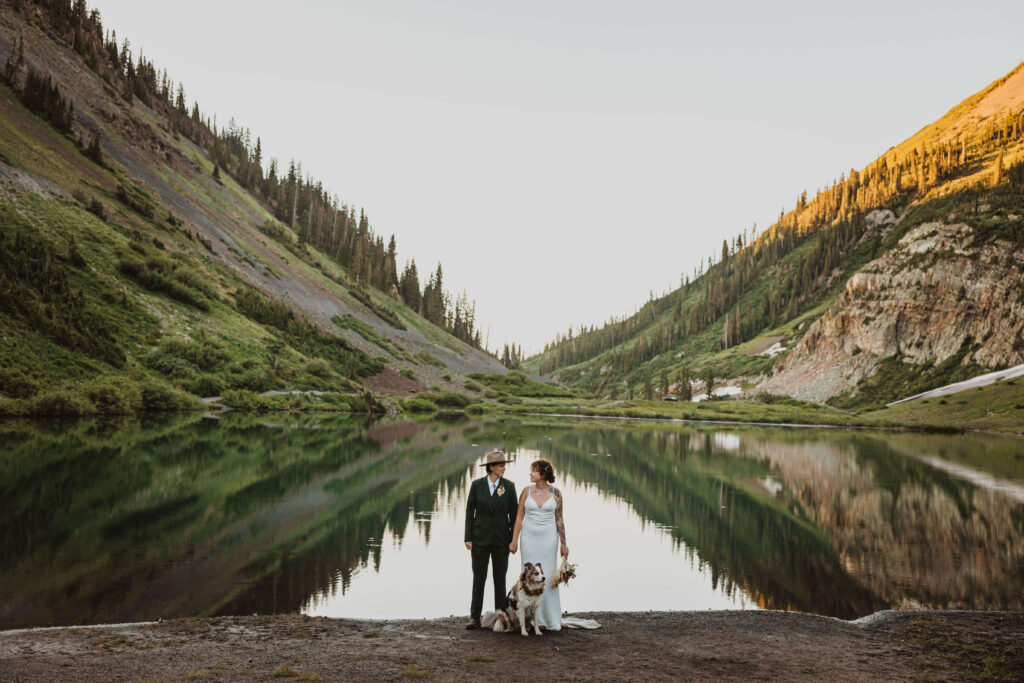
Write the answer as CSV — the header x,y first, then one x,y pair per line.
x,y
540,523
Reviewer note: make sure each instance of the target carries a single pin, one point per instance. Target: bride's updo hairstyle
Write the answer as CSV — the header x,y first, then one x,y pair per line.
x,y
544,469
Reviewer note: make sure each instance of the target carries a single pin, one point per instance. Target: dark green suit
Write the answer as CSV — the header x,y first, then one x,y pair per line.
x,y
489,523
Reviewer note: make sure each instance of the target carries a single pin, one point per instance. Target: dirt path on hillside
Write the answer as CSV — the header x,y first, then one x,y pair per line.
x,y
764,345
735,645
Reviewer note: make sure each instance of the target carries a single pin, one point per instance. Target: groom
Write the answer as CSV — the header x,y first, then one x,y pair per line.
x,y
490,515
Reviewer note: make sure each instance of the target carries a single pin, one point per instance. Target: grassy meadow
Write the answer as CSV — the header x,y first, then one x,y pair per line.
x,y
997,407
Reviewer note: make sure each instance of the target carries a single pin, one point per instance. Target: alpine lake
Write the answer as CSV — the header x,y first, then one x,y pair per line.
x,y
111,521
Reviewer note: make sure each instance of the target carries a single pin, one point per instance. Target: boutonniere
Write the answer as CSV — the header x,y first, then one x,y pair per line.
x,y
501,489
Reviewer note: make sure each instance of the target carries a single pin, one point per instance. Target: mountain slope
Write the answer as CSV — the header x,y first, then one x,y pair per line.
x,y
151,263
933,222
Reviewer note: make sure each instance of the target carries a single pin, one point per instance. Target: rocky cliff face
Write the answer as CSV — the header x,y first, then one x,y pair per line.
x,y
919,303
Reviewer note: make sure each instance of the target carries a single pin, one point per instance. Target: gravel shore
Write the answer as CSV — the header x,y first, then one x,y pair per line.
x,y
725,645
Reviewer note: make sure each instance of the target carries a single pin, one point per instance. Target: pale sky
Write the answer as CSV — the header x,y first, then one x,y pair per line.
x,y
563,159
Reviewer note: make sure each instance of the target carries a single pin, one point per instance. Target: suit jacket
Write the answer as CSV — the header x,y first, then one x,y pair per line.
x,y
490,519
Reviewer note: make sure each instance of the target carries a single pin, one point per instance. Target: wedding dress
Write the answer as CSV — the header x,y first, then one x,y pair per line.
x,y
538,543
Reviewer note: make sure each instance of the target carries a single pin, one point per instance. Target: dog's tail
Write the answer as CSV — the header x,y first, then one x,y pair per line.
x,y
488,620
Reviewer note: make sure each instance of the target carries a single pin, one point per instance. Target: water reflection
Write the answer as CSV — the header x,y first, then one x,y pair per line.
x,y
108,521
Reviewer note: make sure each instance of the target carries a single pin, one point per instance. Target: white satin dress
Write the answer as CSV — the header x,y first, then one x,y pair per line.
x,y
538,543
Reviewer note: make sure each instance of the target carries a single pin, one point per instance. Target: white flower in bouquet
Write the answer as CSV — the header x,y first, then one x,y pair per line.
x,y
565,572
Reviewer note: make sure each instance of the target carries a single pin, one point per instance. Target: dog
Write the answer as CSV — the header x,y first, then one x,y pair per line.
x,y
520,604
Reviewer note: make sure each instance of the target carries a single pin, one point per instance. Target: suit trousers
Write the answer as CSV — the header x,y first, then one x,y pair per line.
x,y
498,557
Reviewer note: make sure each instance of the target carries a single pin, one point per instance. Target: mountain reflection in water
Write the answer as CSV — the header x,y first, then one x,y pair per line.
x,y
110,521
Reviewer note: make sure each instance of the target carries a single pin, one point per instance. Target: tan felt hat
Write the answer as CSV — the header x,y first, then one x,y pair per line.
x,y
495,458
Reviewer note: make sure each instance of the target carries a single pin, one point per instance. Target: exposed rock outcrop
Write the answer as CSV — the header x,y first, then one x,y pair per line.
x,y
919,303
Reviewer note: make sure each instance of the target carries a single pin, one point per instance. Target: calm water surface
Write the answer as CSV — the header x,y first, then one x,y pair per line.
x,y
342,516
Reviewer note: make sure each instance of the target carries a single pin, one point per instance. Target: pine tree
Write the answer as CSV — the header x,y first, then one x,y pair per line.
x,y
685,389
409,286
14,62
93,151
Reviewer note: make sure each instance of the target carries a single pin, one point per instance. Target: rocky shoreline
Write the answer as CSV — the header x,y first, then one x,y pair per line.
x,y
712,645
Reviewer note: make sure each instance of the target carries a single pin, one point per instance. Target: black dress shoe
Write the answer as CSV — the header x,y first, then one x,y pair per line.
x,y
473,623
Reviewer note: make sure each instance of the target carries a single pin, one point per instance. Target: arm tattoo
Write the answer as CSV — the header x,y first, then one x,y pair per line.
x,y
559,522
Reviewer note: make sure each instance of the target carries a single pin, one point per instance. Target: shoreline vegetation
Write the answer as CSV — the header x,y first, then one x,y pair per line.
x,y
997,408
720,645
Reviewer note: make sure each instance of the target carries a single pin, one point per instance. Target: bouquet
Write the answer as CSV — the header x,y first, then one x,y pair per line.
x,y
565,572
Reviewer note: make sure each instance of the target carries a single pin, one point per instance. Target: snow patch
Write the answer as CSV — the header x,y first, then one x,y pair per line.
x,y
979,381
720,391
773,350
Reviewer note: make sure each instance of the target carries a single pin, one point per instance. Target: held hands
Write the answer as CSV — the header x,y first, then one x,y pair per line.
x,y
513,547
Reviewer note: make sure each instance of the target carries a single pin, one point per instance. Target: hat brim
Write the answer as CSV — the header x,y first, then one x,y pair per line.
x,y
495,462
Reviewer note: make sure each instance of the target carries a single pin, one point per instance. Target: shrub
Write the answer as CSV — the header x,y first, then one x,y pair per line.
x,y
93,150
350,322
112,396
476,409
206,385
37,286
519,384
380,310
419,405
75,257
319,368
168,365
15,384
157,395
60,402
474,386
276,231
241,399
336,401
256,379
204,353
448,399
136,198
97,208
365,403
303,336
157,274
406,372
